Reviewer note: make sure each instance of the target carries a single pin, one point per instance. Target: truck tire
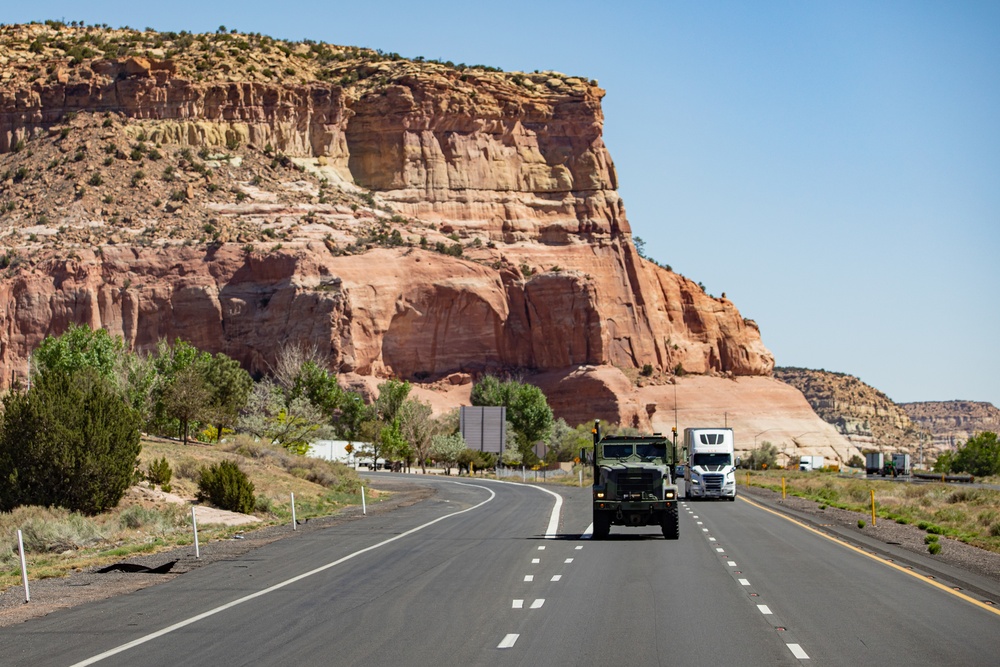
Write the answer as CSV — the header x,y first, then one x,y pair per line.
x,y
732,498
669,525
602,525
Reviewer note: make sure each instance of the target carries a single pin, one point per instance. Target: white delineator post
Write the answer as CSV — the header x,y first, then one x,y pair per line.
x,y
293,512
194,524
364,510
24,567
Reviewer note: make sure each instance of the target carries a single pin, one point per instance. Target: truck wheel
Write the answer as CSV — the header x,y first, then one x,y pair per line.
x,y
602,525
669,525
732,498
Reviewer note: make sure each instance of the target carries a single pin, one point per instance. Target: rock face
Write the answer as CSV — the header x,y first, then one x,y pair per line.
x,y
863,414
411,219
951,423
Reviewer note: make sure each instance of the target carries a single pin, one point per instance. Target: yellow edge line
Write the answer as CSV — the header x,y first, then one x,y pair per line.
x,y
877,559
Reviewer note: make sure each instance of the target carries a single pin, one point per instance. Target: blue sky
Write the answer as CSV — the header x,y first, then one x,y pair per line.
x,y
834,167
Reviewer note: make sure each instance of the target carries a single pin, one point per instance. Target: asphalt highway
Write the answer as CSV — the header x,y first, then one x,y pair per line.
x,y
490,573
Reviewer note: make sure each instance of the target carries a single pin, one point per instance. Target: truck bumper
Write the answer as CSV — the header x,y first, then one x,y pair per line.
x,y
636,513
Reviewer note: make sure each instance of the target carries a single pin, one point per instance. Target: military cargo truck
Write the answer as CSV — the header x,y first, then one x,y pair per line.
x,y
633,484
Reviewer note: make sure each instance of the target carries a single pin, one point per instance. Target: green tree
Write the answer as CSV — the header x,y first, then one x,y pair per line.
x,y
979,456
447,448
229,389
527,409
418,429
70,441
186,398
169,361
764,456
80,347
269,415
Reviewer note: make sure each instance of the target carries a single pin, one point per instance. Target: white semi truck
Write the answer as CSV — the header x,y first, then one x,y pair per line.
x,y
711,468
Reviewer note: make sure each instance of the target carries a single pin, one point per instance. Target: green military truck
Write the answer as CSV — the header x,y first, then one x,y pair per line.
x,y
632,483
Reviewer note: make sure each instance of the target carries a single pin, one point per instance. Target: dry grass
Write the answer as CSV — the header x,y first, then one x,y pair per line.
x,y
968,514
57,541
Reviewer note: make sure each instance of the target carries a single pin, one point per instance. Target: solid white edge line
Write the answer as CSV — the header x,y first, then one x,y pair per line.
x,y
797,651
287,582
508,641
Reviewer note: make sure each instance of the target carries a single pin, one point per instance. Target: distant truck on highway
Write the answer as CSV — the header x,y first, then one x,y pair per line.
x,y
897,464
807,463
711,467
901,463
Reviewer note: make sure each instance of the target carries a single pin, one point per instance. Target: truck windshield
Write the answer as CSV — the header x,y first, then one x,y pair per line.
x,y
712,460
617,451
650,452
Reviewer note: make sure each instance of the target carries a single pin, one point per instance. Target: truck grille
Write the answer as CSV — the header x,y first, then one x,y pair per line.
x,y
632,483
712,482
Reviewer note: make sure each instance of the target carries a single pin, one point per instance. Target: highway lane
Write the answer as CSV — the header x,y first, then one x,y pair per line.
x,y
486,588
841,606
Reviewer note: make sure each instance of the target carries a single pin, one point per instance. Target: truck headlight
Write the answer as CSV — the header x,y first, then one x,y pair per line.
x,y
600,494
669,495
695,480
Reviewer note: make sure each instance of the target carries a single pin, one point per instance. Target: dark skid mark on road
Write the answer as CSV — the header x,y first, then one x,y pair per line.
x,y
138,569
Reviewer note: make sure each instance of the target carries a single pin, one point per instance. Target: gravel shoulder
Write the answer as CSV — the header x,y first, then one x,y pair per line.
x,y
133,573
973,570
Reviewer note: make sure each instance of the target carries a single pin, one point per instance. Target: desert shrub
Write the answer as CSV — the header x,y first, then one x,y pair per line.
x,y
934,548
935,530
69,441
58,534
930,538
226,486
159,472
188,469
995,530
861,523
264,505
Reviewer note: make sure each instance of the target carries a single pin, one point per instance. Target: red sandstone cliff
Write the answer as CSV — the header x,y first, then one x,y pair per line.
x,y
330,214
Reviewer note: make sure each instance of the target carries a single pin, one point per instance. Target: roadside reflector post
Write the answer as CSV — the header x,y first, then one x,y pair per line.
x,y
24,567
873,507
194,525
581,476
293,512
364,509
782,487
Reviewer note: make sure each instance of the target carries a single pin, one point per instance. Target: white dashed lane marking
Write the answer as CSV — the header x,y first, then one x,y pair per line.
x,y
731,563
508,641
797,651
529,577
579,547
542,548
744,582
518,604
556,577
568,560
537,604
764,609
536,561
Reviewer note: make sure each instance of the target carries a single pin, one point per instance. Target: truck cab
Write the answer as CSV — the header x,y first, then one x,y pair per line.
x,y
711,468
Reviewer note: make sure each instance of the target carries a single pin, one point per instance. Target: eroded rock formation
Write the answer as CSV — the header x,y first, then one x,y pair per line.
x,y
411,219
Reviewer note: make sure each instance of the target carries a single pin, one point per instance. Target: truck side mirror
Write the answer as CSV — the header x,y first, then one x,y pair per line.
x,y
737,464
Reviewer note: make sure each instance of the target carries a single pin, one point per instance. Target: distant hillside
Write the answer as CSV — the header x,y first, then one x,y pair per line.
x,y
863,414
952,422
